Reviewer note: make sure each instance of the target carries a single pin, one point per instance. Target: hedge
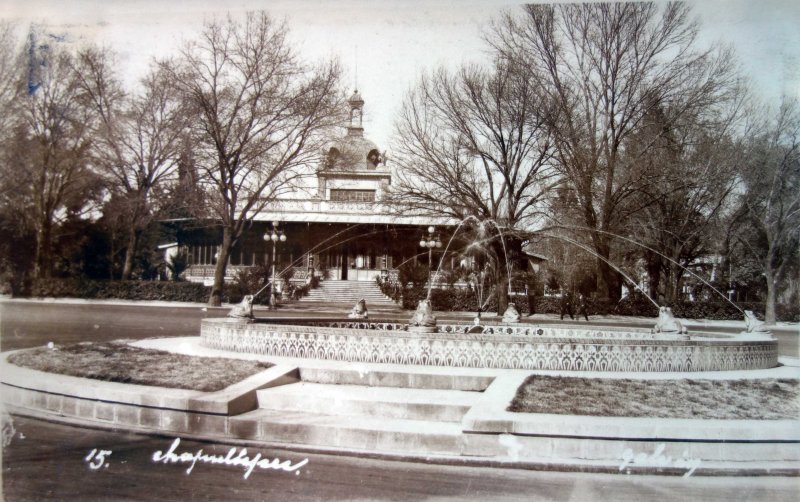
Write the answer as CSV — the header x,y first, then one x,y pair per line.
x,y
152,290
122,290
446,300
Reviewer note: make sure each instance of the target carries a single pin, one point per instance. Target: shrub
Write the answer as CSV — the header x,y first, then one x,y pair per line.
x,y
390,288
177,264
248,281
121,290
456,299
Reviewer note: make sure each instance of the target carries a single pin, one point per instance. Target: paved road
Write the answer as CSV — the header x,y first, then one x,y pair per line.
x,y
25,324
48,461
32,324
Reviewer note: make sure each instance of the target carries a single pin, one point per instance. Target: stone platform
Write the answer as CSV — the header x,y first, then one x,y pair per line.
x,y
501,346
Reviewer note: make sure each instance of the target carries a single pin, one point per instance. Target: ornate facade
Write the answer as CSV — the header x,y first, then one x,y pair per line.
x,y
343,229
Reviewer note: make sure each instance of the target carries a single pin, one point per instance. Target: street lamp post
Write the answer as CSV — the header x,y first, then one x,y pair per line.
x,y
275,235
430,241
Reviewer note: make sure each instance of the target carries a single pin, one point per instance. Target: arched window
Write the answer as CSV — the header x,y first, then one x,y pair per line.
x,y
333,156
374,157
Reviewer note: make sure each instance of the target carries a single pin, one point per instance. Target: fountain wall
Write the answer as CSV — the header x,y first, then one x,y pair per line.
x,y
525,347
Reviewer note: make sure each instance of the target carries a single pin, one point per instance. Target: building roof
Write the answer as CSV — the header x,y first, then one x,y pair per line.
x,y
326,211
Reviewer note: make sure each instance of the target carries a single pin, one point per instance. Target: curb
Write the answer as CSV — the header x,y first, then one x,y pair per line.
x,y
170,412
545,465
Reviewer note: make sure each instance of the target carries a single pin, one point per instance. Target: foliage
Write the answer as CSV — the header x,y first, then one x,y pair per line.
x,y
16,255
465,300
121,290
390,288
766,228
138,142
177,264
602,67
300,291
247,282
412,273
54,178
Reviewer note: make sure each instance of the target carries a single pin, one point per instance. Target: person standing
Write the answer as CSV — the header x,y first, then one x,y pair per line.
x,y
582,307
531,295
566,305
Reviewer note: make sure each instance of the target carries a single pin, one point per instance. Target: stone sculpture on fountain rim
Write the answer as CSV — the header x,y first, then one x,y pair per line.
x,y
359,310
243,311
667,323
423,320
511,315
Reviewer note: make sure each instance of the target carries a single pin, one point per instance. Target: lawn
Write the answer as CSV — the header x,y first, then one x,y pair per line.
x,y
119,362
766,399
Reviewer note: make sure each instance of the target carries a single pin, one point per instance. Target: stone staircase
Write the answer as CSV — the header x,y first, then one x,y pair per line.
x,y
333,291
377,411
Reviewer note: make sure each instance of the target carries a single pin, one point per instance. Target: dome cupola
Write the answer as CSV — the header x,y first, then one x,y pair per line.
x,y
356,113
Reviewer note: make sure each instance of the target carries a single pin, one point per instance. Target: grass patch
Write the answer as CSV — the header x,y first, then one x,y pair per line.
x,y
765,399
119,362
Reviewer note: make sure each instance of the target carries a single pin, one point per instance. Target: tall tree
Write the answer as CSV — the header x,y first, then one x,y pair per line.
x,y
690,167
53,145
139,142
11,67
16,236
473,144
770,202
604,66
257,114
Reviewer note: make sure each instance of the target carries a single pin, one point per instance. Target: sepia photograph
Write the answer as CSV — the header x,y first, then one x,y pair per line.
x,y
400,250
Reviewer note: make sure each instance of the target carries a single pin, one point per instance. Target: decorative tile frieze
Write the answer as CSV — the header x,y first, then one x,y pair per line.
x,y
512,347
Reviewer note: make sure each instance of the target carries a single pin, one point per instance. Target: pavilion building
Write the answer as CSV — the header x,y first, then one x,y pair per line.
x,y
342,230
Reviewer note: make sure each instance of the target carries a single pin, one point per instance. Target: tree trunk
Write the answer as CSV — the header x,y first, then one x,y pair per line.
x,y
672,284
501,290
653,274
506,249
42,262
215,300
769,308
130,253
607,277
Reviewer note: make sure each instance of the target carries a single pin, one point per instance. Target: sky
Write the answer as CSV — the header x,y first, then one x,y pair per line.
x,y
385,46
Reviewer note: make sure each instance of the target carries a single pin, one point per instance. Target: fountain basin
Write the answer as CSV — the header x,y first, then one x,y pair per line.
x,y
518,346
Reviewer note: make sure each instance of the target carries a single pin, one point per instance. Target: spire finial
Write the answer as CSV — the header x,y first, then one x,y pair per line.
x,y
355,82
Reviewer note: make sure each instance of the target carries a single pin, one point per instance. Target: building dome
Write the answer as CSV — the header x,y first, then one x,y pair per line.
x,y
353,153
355,100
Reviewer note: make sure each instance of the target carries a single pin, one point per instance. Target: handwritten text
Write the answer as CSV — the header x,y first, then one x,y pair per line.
x,y
658,459
241,459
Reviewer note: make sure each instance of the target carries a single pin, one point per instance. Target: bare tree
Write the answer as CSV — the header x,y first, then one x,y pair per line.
x,y
11,67
257,115
770,202
53,145
139,141
473,144
690,165
605,65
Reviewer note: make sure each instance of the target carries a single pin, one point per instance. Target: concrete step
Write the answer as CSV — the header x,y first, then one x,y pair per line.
x,y
412,378
353,433
348,292
359,400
